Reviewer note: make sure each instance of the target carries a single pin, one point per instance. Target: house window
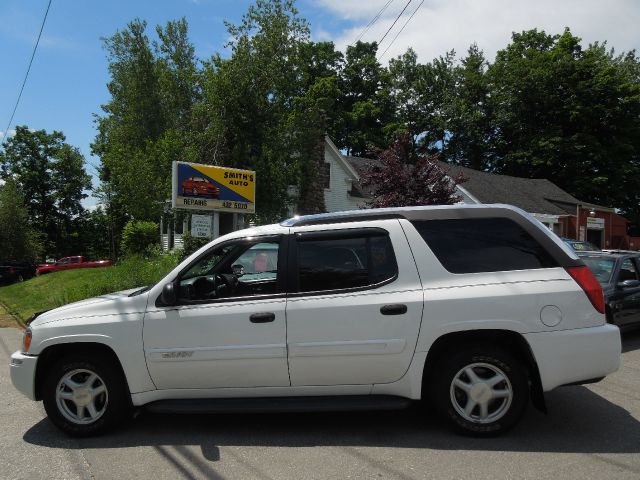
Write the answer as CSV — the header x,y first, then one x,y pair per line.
x,y
326,175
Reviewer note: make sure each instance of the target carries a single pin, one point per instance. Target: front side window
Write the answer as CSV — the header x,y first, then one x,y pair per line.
x,y
344,263
628,271
234,270
476,245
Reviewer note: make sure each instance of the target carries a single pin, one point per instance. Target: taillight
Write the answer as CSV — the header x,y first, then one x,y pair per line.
x,y
583,276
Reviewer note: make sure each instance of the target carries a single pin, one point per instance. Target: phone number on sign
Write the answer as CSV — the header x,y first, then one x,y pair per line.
x,y
235,205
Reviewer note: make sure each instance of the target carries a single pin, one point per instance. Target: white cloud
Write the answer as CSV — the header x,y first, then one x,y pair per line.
x,y
442,25
12,132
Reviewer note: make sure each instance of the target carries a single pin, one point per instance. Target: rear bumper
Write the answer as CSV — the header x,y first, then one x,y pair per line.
x,y
23,373
575,356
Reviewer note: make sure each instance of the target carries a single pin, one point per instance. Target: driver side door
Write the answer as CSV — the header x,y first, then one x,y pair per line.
x,y
226,330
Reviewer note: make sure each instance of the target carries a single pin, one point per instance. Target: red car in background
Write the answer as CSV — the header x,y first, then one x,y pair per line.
x,y
199,186
70,263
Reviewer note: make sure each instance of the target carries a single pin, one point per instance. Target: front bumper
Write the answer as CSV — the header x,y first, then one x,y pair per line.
x,y
573,356
23,373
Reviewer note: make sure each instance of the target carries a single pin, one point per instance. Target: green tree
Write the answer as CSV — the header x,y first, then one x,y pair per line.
x,y
259,102
96,234
569,114
18,240
421,95
146,123
51,177
468,113
365,104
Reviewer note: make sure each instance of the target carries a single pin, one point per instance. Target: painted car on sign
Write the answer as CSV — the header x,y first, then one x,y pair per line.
x,y
199,186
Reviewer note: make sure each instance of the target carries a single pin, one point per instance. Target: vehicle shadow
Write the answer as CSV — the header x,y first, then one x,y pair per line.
x,y
579,421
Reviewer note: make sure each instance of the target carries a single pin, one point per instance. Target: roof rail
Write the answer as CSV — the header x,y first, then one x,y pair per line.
x,y
329,218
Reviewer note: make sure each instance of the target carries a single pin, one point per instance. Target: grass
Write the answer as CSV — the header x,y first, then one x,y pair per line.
x,y
59,288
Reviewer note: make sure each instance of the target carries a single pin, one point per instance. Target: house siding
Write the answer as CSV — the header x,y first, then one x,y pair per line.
x,y
337,197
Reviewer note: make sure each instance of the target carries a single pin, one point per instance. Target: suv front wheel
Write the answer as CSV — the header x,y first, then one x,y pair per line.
x,y
84,396
482,391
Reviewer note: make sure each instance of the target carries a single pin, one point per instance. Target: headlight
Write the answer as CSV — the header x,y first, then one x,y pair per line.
x,y
26,340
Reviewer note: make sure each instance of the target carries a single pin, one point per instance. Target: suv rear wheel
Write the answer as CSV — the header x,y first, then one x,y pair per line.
x,y
84,396
482,391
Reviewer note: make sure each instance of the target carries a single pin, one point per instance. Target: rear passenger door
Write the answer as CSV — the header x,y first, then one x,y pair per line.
x,y
354,312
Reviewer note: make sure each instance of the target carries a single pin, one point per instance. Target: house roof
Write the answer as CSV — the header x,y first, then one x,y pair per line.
x,y
535,195
361,165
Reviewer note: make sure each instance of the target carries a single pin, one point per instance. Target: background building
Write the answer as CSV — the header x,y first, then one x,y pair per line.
x,y
562,213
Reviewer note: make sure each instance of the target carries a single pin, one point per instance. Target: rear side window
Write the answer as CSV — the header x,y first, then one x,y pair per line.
x,y
343,263
483,245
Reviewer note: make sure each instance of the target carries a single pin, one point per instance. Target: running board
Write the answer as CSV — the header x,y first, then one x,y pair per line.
x,y
280,404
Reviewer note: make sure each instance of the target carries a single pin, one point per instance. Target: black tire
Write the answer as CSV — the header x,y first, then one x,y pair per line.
x,y
114,401
487,363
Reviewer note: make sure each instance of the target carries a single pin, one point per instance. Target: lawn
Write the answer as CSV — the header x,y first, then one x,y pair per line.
x,y
56,289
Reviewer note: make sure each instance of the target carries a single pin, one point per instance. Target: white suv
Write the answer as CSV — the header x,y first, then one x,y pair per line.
x,y
476,308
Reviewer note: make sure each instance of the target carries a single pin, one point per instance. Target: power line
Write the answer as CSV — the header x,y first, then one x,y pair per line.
x,y
24,82
400,31
373,20
394,22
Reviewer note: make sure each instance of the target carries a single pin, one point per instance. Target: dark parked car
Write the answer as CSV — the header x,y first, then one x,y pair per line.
x,y
199,186
11,272
619,275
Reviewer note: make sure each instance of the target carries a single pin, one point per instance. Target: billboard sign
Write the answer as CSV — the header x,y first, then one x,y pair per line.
x,y
206,187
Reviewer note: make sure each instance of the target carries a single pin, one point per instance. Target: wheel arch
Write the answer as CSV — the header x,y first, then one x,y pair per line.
x,y
52,353
511,341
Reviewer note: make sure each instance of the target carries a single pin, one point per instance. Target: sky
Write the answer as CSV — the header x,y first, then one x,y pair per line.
x,y
67,82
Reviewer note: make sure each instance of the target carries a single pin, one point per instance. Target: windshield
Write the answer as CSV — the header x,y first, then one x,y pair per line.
x,y
601,267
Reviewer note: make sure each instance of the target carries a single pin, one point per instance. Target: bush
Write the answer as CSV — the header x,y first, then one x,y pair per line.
x,y
191,244
138,237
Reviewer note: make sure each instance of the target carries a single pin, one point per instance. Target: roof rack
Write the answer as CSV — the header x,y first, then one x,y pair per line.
x,y
329,218
409,213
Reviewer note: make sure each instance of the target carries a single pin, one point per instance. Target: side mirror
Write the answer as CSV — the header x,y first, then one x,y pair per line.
x,y
169,296
238,270
629,284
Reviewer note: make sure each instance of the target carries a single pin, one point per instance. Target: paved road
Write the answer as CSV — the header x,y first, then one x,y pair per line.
x,y
590,433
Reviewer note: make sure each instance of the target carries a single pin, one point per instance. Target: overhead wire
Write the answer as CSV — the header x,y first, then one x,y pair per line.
x,y
373,20
394,23
403,27
24,82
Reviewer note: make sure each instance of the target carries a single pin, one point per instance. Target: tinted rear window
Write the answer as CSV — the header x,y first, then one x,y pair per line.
x,y
483,245
601,267
344,263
